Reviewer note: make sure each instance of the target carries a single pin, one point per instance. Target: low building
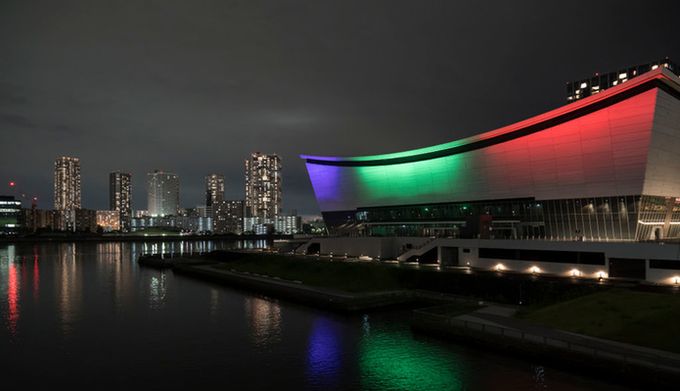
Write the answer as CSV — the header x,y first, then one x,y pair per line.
x,y
286,225
86,220
194,224
109,220
10,211
228,216
140,213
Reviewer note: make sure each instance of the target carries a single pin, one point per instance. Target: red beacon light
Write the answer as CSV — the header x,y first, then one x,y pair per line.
x,y
12,183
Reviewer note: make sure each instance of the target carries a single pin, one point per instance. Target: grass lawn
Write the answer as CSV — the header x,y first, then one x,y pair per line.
x,y
640,318
345,276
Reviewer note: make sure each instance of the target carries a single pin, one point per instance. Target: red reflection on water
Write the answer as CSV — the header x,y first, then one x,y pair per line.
x,y
36,277
12,298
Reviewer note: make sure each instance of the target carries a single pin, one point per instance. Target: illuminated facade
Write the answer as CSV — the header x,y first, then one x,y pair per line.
x,y
109,220
263,185
120,188
214,190
67,190
603,168
10,211
163,193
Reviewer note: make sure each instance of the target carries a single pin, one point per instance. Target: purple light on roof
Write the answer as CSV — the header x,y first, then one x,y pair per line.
x,y
325,181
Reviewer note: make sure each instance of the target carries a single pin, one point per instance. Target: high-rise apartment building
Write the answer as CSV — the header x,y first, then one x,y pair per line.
x,y
263,185
214,191
163,193
228,217
67,189
120,188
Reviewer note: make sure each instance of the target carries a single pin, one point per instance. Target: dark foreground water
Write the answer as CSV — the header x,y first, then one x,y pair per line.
x,y
85,315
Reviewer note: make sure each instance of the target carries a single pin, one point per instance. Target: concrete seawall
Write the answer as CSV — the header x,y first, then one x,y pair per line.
x,y
297,292
615,361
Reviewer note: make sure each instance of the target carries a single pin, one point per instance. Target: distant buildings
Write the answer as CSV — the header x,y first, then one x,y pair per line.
x,y
262,205
263,185
163,193
86,220
214,191
10,211
110,220
67,190
287,225
228,217
187,223
120,188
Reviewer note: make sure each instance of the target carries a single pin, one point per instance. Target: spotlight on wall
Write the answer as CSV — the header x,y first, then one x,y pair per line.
x,y
676,280
601,275
500,267
535,270
576,273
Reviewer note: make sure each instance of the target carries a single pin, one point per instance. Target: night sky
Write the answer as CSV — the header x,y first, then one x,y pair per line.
x,y
193,87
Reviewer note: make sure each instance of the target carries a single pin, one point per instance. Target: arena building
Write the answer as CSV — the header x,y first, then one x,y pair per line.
x,y
604,168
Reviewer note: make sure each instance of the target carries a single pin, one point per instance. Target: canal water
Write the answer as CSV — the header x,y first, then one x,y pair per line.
x,y
86,315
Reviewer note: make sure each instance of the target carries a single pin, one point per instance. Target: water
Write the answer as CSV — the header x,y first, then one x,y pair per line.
x,y
85,315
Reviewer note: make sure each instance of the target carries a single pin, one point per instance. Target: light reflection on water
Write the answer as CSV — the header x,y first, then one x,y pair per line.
x,y
68,287
157,291
86,315
264,317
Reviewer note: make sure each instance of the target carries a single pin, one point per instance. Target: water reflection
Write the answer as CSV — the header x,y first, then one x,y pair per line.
x,y
264,318
324,357
12,297
392,359
68,287
157,291
214,302
199,247
117,266
72,336
36,274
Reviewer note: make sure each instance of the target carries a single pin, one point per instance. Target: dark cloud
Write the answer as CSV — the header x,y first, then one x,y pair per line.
x,y
15,120
193,87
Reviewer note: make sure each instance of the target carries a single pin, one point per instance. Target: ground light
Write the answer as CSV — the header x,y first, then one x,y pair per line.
x,y
601,275
576,273
535,270
500,267
676,280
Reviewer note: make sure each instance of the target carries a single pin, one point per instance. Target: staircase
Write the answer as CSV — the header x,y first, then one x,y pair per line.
x,y
418,250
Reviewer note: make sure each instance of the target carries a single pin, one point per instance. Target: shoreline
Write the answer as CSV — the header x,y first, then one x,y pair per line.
x,y
297,292
137,238
615,361
597,357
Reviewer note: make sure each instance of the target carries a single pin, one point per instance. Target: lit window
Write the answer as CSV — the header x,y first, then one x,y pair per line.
x,y
584,85
655,67
623,75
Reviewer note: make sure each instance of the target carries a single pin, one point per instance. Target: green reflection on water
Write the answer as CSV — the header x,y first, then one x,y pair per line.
x,y
392,359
